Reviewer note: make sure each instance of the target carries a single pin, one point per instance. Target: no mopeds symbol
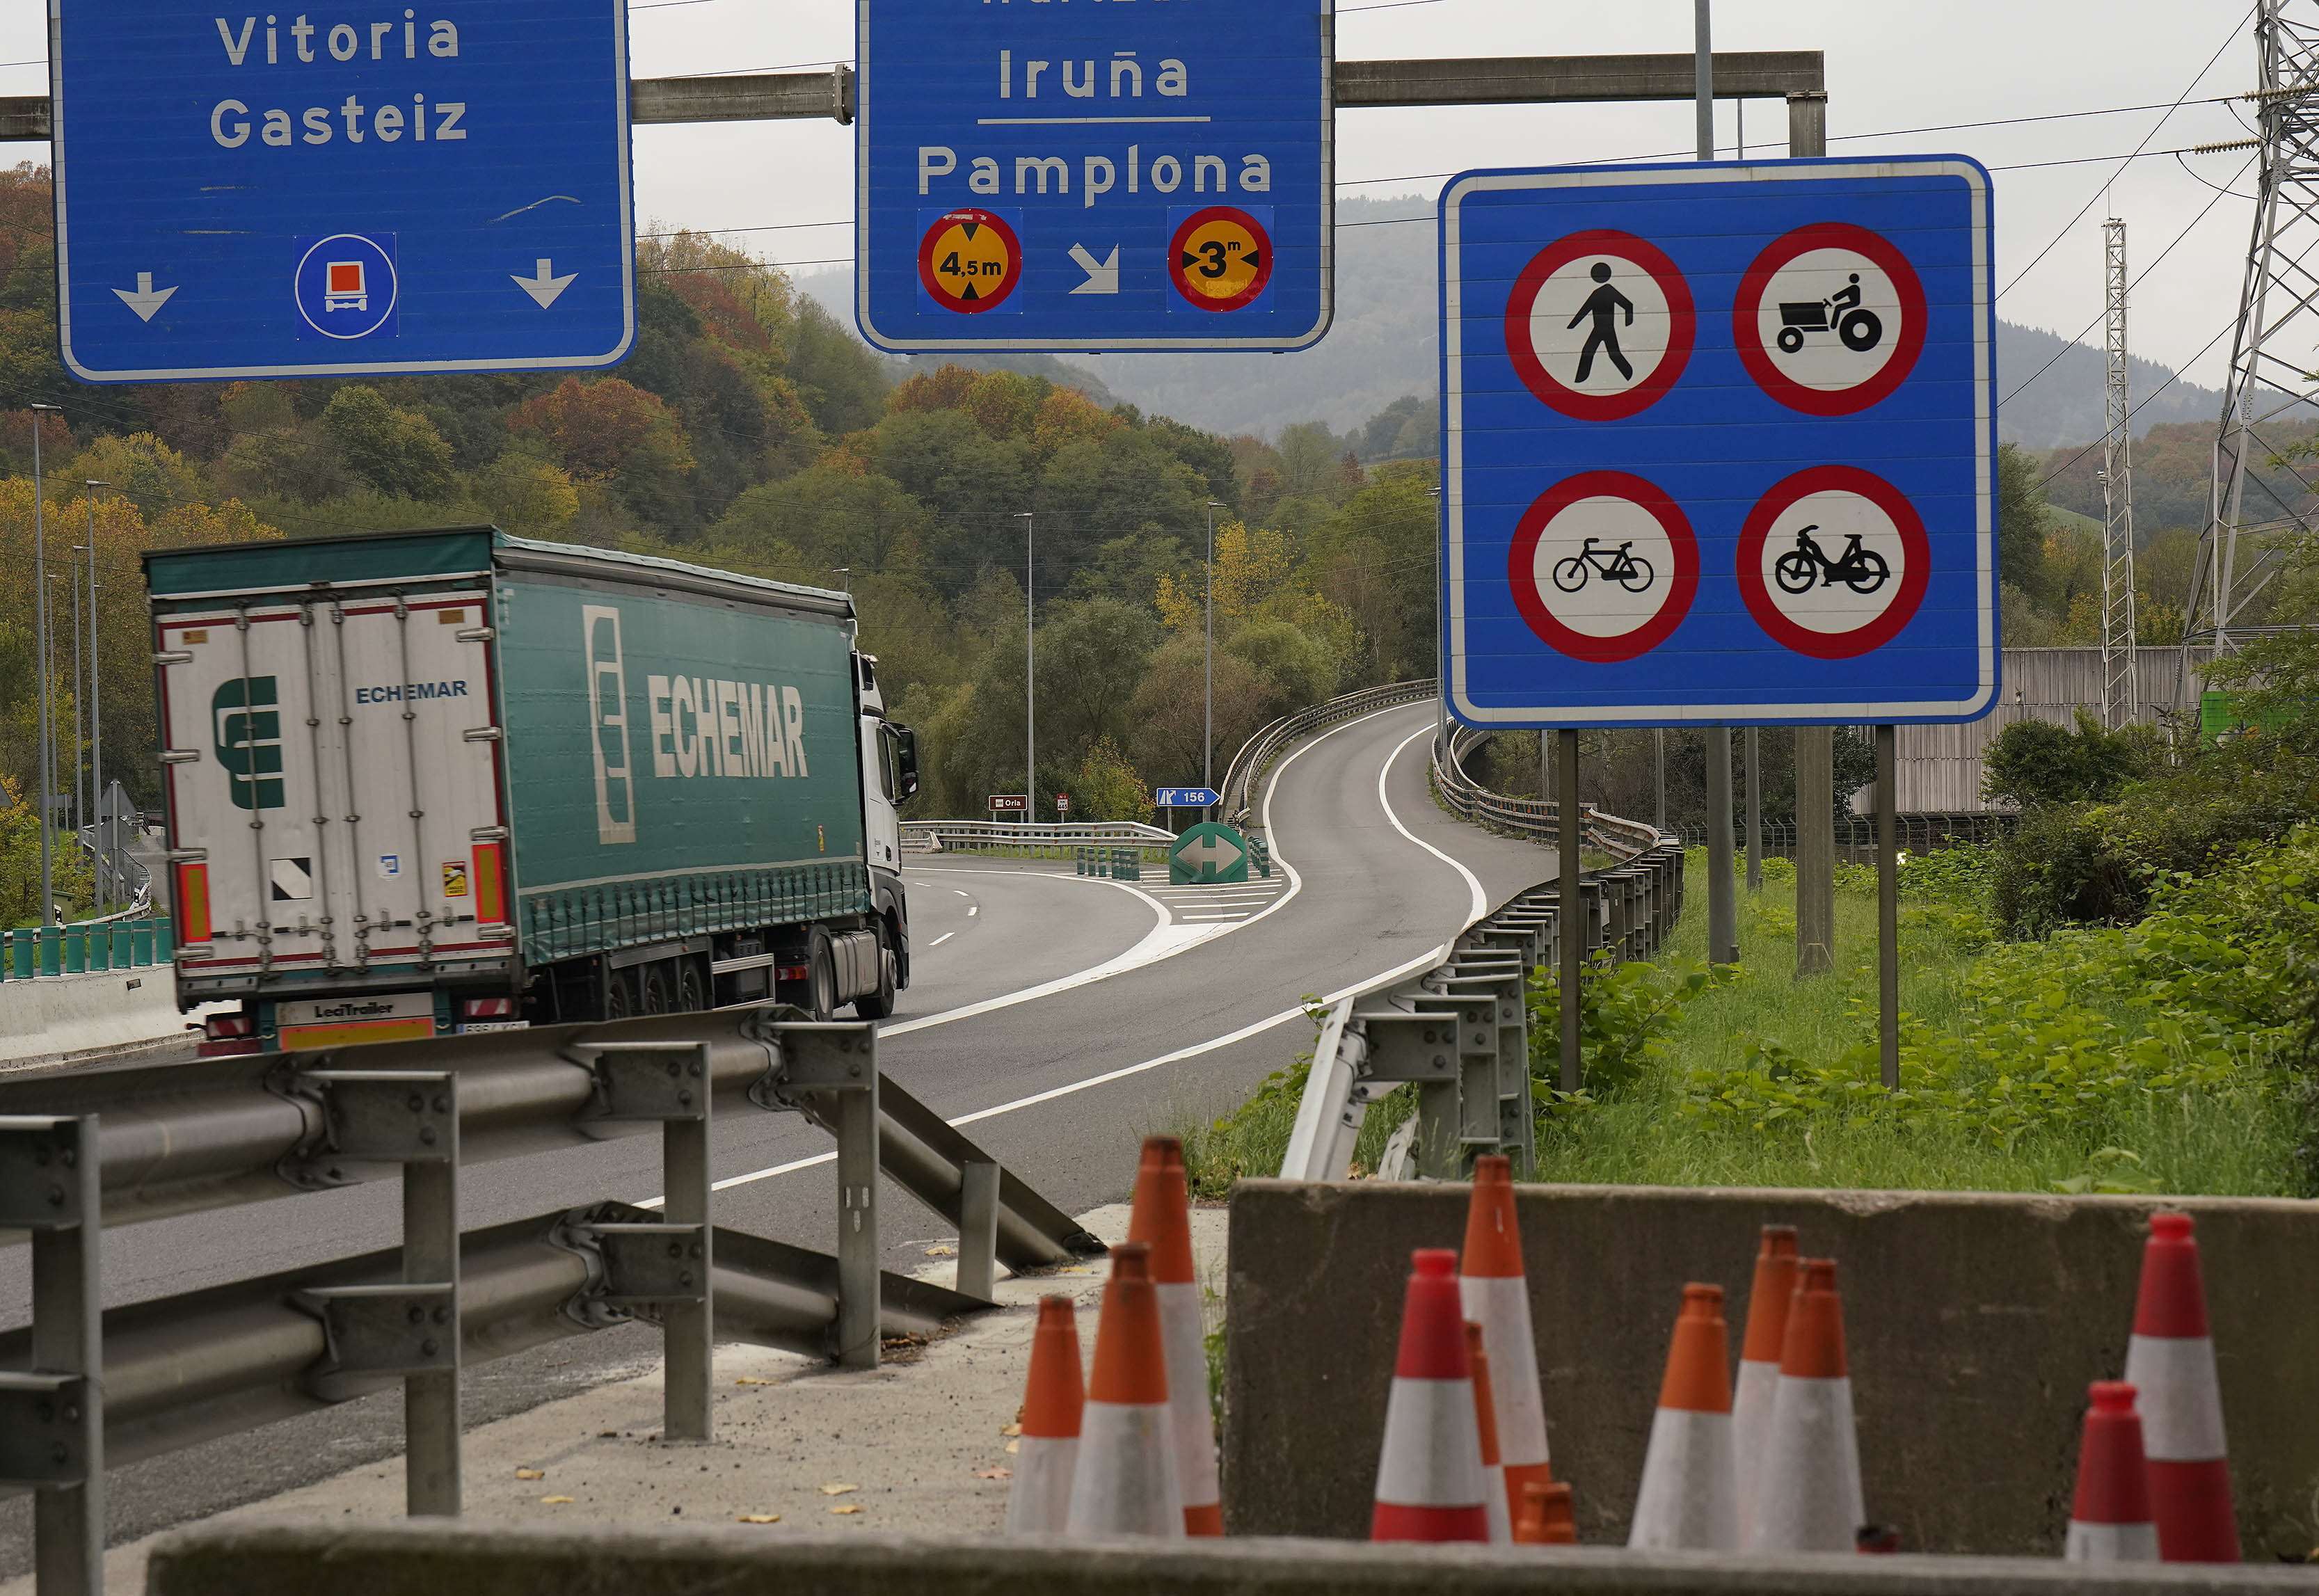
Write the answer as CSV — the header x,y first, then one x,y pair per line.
x,y
1834,562
1830,319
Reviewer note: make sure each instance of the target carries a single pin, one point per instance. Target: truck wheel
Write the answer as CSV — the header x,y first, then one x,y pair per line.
x,y
620,998
656,991
878,1005
691,988
821,979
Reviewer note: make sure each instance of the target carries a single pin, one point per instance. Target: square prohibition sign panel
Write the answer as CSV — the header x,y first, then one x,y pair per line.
x,y
1719,444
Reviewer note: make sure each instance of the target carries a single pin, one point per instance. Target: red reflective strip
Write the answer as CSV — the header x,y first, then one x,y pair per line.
x,y
192,903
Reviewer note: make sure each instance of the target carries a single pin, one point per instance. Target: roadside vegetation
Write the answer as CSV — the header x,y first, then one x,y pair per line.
x,y
2122,998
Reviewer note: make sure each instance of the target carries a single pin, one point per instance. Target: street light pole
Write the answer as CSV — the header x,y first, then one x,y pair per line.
x,y
1030,672
72,585
107,828
40,629
1208,735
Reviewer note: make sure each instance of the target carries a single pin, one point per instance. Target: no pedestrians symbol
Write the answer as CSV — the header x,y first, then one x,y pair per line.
x,y
1600,325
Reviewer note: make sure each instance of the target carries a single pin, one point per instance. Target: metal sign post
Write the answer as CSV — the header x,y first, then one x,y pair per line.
x,y
1887,907
1095,177
1570,910
243,197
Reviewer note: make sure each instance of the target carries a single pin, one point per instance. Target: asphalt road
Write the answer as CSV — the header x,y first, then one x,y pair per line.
x,y
1060,1085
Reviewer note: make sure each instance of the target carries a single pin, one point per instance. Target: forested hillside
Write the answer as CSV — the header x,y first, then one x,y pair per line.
x,y
751,431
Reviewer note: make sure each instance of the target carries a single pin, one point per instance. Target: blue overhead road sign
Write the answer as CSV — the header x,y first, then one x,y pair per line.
x,y
1719,444
436,187
1034,175
1187,798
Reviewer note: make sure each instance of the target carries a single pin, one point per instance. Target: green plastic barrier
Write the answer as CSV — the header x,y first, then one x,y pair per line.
x,y
21,952
140,942
165,942
52,950
76,950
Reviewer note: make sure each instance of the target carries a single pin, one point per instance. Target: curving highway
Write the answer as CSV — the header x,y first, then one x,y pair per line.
x,y
1065,1018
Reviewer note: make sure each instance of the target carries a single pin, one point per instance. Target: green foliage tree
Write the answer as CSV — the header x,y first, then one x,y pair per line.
x,y
396,452
1108,787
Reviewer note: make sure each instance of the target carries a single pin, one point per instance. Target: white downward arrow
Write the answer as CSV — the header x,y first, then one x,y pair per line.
x,y
1102,275
147,301
547,287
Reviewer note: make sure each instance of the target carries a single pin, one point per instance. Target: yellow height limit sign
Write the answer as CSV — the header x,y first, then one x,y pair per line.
x,y
969,261
1221,258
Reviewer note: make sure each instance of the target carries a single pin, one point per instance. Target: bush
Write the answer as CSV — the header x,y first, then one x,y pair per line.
x,y
2034,763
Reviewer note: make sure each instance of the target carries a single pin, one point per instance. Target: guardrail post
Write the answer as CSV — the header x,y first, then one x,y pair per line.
x,y
412,1329
977,1229
831,1070
52,1414
667,1268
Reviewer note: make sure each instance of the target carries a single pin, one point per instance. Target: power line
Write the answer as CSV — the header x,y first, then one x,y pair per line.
x,y
2138,149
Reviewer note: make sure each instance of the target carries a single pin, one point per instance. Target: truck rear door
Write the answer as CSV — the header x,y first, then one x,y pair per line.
x,y
334,800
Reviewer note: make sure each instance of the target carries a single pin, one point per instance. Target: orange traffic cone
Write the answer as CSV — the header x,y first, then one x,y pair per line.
x,y
1485,1420
2170,1360
1759,1359
1690,1499
1039,1503
1809,1498
1125,1482
1430,1484
1548,1517
2109,1520
1161,1219
1497,1298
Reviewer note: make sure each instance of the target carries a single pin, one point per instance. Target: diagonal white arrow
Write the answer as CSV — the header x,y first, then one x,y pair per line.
x,y
546,287
1102,275
147,301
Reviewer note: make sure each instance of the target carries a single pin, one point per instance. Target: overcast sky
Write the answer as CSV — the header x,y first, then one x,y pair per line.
x,y
1889,67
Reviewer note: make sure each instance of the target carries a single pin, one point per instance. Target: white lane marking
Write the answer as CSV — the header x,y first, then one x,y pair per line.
x,y
1257,1028
939,940
962,892
1197,919
972,910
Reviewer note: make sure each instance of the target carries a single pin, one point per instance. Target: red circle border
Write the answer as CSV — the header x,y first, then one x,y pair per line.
x,y
1915,546
1748,307
1522,556
1193,223
943,224
1682,326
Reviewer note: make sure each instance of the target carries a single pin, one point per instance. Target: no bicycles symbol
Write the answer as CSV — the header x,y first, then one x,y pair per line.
x,y
1604,567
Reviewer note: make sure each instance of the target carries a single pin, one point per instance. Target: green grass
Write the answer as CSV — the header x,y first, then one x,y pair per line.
x,y
1759,1079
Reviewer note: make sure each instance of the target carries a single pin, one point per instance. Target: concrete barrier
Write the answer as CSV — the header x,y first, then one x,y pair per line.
x,y
1975,1321
439,1559
107,1012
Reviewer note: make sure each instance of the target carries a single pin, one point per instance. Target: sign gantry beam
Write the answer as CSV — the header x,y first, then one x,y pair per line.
x,y
1512,80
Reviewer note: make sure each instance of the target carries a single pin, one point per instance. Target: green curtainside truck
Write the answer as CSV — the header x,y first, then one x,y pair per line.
x,y
423,783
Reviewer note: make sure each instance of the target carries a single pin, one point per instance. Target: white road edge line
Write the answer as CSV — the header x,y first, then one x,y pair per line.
x,y
1214,1044
939,940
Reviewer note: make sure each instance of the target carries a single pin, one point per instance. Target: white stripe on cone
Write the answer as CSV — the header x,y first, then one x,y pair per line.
x,y
2180,1398
1809,1500
1751,1397
1432,1454
1184,1339
1125,1481
1040,1500
1690,1496
1499,1304
2111,1543
1494,1503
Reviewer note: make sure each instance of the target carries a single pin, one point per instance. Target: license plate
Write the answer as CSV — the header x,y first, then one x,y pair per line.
x,y
471,1026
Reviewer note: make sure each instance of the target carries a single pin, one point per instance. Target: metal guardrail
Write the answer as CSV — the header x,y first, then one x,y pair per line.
x,y
1460,1032
92,946
938,836
82,1152
1256,755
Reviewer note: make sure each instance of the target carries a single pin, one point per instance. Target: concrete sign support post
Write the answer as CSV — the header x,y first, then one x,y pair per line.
x,y
1888,905
1755,810
1570,916
1722,911
1814,746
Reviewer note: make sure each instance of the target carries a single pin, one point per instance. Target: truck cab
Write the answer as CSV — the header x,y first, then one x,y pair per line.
x,y
889,779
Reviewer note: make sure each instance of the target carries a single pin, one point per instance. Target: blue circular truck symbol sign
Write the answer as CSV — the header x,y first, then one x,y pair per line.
x,y
346,285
